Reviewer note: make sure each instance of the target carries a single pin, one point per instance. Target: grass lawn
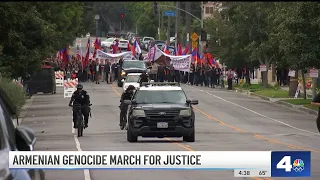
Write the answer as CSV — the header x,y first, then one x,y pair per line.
x,y
298,101
309,106
273,93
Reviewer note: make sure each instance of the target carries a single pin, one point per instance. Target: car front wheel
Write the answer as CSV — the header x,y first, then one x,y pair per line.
x,y
190,138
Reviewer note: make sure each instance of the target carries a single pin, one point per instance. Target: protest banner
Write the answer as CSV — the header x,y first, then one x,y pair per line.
x,y
181,64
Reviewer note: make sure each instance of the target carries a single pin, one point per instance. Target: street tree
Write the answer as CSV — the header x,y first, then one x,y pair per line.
x,y
298,35
32,31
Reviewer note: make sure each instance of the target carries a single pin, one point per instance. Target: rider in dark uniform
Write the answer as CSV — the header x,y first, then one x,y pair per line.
x,y
127,95
80,97
144,78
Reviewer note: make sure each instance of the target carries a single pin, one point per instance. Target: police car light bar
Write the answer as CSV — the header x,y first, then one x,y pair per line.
x,y
160,84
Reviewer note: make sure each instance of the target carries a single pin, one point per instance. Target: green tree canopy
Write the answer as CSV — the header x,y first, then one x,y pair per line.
x,y
32,31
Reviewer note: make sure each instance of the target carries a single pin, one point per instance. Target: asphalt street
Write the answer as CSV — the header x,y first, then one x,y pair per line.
x,y
225,120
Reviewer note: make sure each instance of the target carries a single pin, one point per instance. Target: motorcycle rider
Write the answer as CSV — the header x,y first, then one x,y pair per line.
x,y
80,97
144,78
127,95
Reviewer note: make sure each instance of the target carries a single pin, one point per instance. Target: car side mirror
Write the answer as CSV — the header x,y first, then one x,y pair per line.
x,y
128,102
192,102
25,138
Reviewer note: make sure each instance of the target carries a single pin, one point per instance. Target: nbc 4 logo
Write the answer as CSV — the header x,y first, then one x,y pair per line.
x,y
285,163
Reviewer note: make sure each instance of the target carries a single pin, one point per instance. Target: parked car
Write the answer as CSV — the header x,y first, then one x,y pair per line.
x,y
108,42
145,42
15,138
159,43
129,35
123,44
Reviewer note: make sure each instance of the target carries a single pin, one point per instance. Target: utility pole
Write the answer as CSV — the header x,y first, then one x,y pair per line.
x,y
159,19
168,30
177,23
200,43
97,17
188,21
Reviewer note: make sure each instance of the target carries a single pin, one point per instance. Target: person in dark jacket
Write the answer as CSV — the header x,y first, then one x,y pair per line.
x,y
161,73
172,74
316,102
127,95
80,97
144,78
106,69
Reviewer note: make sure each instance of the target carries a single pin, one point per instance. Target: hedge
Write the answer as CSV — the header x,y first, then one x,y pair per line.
x,y
13,95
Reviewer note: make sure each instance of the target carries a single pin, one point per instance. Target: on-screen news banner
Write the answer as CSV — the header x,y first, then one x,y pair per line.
x,y
243,163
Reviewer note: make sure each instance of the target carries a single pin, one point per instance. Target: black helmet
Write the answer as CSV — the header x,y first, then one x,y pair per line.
x,y
79,86
130,87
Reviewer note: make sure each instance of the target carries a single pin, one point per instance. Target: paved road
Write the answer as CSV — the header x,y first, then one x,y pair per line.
x,y
224,121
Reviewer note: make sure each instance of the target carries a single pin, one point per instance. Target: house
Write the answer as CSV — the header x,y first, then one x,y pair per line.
x,y
210,7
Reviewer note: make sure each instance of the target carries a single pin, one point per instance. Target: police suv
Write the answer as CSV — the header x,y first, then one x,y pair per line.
x,y
160,110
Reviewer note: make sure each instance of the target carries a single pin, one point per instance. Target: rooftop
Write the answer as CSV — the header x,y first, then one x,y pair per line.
x,y
160,88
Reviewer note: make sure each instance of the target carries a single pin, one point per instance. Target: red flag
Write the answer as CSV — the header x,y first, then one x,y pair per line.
x,y
128,48
166,49
96,44
86,60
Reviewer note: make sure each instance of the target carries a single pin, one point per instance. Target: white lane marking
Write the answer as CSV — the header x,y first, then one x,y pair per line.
x,y
86,172
267,117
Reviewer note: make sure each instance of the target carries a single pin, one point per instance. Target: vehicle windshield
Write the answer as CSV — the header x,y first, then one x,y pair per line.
x,y
148,38
133,64
159,42
158,97
110,40
132,78
123,41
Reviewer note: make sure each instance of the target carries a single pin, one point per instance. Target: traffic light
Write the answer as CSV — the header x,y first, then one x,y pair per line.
x,y
155,7
121,16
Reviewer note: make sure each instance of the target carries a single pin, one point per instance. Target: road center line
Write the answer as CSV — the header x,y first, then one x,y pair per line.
x,y
254,112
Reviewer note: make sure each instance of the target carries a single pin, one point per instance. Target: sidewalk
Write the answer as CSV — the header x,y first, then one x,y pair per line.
x,y
282,101
286,88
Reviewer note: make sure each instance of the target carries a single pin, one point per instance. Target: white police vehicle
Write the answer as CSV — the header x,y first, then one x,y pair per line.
x,y
132,79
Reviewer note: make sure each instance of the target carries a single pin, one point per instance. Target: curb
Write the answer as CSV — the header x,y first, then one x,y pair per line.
x,y
306,110
310,111
261,97
24,111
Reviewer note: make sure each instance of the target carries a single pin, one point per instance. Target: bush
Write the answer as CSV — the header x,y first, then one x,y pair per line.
x,y
13,95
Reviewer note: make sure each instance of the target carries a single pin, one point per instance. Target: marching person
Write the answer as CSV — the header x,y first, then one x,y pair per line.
x,y
107,71
127,95
229,79
97,70
316,102
80,97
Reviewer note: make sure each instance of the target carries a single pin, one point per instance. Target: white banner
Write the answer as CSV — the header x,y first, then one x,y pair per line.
x,y
184,160
104,55
181,64
155,53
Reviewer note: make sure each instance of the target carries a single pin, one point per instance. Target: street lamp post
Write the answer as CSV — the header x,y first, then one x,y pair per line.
x,y
97,17
199,19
